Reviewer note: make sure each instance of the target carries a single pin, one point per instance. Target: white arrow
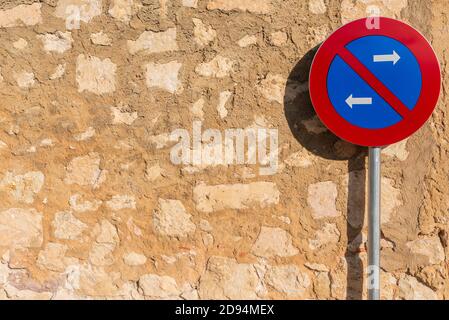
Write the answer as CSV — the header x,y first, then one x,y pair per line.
x,y
360,101
387,58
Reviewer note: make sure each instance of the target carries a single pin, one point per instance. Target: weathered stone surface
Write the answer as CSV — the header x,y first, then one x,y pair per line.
x,y
205,225
95,75
317,34
388,284
429,247
134,259
67,226
101,39
273,88
260,6
411,289
274,242
316,267
322,285
21,227
89,133
203,34
226,279
101,254
16,294
20,44
23,187
46,143
107,239
329,234
58,42
120,116
25,79
92,281
237,196
218,67
28,15
78,205
278,38
247,41
301,159
119,202
75,11
171,219
154,42
129,290
433,276
123,10
164,76
284,219
398,150
190,3
322,198
58,72
288,279
84,170
160,141
222,100
208,239
105,232
159,287
197,109
317,6
154,172
391,199
52,257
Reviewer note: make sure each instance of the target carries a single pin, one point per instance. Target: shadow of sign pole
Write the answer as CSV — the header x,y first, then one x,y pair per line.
x,y
324,145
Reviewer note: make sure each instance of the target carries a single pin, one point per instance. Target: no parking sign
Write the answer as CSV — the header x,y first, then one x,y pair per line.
x,y
375,87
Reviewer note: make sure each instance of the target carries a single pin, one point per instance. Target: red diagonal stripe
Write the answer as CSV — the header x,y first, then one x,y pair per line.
x,y
373,82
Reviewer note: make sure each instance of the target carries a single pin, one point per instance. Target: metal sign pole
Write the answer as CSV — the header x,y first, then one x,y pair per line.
x,y
374,224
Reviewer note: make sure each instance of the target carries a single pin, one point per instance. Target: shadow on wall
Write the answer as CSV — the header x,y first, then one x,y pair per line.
x,y
308,131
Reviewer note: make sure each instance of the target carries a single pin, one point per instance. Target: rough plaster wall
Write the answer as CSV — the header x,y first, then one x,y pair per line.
x,y
92,206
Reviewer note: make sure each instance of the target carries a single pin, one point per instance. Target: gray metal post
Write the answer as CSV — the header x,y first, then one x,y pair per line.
x,y
374,224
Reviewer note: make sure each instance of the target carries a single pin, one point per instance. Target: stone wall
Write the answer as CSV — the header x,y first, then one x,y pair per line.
x,y
92,206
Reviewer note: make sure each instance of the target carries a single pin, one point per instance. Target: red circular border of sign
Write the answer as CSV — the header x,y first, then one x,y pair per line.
x,y
430,91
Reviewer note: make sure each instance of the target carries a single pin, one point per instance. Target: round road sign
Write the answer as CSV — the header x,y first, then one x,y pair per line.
x,y
375,87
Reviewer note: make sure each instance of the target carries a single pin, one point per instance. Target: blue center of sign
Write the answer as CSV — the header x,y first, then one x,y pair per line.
x,y
390,62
